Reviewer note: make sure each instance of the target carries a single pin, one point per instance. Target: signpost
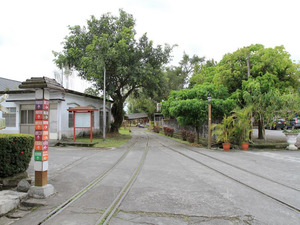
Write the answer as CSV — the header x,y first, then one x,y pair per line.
x,y
42,87
82,118
41,136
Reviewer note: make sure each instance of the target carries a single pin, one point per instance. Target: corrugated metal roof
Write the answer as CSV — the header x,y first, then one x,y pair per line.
x,y
8,85
136,116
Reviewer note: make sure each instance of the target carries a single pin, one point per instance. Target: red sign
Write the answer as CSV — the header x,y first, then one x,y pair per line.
x,y
38,114
38,124
41,145
38,135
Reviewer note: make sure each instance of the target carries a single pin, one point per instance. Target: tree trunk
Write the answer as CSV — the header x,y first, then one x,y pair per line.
x,y
198,134
117,112
260,129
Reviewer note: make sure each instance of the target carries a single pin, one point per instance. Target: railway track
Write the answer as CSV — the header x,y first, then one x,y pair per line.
x,y
104,219
249,185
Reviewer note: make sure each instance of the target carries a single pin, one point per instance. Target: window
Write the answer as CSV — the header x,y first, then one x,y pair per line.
x,y
27,116
101,120
10,118
71,121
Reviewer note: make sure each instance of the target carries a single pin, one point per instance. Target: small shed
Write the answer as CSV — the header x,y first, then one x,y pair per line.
x,y
137,118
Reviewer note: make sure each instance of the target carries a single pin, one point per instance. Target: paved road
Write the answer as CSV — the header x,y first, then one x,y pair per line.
x,y
171,183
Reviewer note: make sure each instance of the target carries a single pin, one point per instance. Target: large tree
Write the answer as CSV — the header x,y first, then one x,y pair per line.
x,y
190,106
109,44
252,61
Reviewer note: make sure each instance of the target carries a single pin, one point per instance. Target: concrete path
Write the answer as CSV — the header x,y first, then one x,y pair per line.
x,y
177,184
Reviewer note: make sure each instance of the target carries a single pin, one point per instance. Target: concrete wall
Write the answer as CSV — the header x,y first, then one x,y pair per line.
x,y
172,123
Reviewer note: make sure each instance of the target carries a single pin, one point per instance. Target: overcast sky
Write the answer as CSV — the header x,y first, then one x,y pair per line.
x,y
31,29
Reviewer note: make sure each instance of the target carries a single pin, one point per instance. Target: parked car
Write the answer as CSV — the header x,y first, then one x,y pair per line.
x,y
278,124
293,124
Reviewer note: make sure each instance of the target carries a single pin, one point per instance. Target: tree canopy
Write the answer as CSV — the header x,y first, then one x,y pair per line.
x,y
109,44
265,78
190,106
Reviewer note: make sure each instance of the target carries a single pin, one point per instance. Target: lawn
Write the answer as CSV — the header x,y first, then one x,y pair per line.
x,y
111,140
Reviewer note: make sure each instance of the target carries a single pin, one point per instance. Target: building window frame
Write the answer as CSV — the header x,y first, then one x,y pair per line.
x,y
10,118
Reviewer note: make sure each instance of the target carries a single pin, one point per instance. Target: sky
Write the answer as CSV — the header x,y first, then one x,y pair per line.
x,y
30,30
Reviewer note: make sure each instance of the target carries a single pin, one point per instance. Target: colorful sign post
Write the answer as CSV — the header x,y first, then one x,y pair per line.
x,y
42,87
41,136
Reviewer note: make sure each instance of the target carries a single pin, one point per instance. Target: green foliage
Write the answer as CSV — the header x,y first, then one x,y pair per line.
x,y
15,153
242,124
141,104
289,105
109,44
91,91
224,131
232,70
292,131
190,106
262,93
203,73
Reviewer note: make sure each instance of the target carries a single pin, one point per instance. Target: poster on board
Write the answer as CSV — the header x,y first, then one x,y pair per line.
x,y
83,119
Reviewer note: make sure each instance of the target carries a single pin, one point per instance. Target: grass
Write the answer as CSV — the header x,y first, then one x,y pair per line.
x,y
111,140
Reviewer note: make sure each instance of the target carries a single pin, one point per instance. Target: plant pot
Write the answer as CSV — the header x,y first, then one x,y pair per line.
x,y
245,146
291,140
226,146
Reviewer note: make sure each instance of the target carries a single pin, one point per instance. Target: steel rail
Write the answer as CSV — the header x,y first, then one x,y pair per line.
x,y
76,196
245,170
238,181
106,216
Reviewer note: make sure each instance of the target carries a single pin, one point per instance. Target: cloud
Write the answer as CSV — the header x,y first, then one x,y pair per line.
x,y
33,28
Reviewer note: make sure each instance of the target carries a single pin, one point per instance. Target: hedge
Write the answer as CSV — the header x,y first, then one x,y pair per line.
x,y
15,153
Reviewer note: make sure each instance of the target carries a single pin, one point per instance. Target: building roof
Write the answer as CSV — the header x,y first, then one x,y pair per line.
x,y
135,116
9,85
41,82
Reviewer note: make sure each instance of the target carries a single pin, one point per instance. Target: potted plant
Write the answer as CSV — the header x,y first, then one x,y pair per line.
x,y
291,137
224,131
242,123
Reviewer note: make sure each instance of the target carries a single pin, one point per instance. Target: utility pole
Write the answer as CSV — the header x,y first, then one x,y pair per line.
x,y
248,69
104,105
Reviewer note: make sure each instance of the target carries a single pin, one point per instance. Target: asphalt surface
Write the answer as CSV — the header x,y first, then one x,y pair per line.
x,y
177,184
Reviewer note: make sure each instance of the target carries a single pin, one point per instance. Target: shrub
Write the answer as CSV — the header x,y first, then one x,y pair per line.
x,y
191,136
15,153
156,129
165,130
168,131
183,133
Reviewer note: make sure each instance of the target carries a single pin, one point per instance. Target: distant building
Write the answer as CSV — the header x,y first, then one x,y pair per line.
x,y
21,104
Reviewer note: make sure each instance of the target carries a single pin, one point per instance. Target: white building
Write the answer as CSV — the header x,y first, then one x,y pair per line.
x,y
21,104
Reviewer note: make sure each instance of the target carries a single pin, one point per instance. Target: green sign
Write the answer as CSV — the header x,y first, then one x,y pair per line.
x,y
38,155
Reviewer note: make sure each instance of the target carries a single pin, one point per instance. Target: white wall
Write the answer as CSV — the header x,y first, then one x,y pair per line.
x,y
58,115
